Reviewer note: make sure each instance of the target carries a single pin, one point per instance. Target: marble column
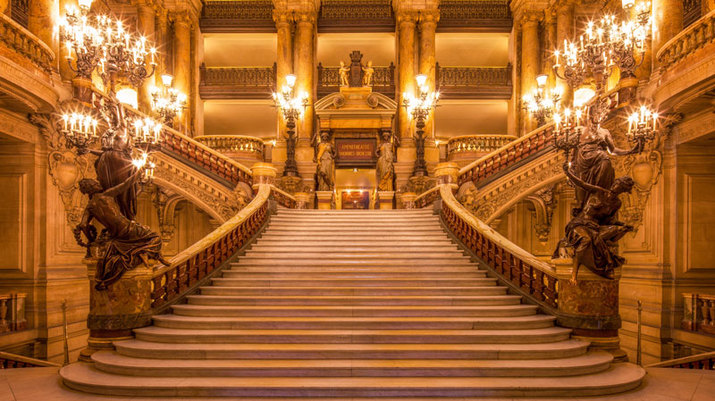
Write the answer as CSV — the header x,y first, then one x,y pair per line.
x,y
182,55
161,34
284,58
668,22
146,27
41,21
195,103
428,26
304,67
564,31
530,59
66,72
406,70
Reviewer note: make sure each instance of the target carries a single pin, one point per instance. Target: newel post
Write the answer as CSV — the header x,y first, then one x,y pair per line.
x,y
263,173
590,307
446,173
115,311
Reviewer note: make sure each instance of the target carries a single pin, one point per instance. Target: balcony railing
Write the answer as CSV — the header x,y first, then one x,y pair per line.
x,y
13,361
23,42
383,80
472,146
12,312
692,38
237,82
704,361
231,145
475,15
237,15
474,82
698,313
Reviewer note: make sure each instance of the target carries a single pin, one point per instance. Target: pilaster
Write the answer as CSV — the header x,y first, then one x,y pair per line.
x,y
667,22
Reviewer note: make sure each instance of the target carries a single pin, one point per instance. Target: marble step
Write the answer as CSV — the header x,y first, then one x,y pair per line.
x,y
384,263
354,291
355,323
354,220
204,299
397,270
389,242
185,336
362,255
355,282
112,362
147,349
305,248
618,378
358,311
337,213
393,239
317,273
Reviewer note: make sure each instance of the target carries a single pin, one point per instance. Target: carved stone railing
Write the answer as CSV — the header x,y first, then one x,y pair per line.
x,y
705,361
237,16
461,147
697,35
234,145
17,38
698,313
237,82
193,265
12,312
526,272
383,80
474,82
501,159
427,198
475,15
12,361
283,198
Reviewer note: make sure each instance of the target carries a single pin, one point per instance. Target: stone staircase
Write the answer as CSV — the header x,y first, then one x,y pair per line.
x,y
350,304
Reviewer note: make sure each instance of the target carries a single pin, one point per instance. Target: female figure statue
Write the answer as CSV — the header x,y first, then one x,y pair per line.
x,y
326,162
385,168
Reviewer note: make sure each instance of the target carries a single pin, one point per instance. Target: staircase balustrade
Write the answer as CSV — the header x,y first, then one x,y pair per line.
x,y
699,313
472,144
705,361
697,35
13,361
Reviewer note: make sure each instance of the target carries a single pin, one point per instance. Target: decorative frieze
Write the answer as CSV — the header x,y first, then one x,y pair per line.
x,y
237,82
492,15
474,82
237,15
352,15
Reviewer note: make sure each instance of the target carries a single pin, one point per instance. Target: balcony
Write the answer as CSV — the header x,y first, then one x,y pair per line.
x,y
243,149
237,82
474,82
383,80
466,149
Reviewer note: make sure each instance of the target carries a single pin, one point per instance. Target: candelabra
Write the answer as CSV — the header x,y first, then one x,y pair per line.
x,y
167,101
79,130
642,126
101,42
540,103
567,129
420,107
292,107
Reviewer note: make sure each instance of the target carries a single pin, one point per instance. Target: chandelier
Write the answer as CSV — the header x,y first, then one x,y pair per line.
x,y
168,102
102,43
419,108
292,106
540,103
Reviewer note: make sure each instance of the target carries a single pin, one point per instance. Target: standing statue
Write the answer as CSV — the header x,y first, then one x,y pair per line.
x,y
385,167
128,243
593,231
367,74
344,71
325,158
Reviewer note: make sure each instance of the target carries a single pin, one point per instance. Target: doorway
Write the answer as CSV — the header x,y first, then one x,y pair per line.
x,y
355,188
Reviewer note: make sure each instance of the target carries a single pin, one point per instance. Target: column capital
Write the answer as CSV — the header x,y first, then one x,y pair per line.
x,y
282,17
531,17
429,16
305,17
406,17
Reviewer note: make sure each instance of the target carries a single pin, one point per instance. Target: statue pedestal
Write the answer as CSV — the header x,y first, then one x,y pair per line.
x,y
590,307
408,200
325,199
304,200
114,312
385,199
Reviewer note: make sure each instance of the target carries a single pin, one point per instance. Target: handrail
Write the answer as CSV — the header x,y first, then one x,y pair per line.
x,y
283,198
232,143
427,197
522,269
29,45
701,361
10,361
186,269
692,37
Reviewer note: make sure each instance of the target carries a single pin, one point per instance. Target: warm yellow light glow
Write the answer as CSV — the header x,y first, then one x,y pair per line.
x,y
290,80
85,4
541,80
166,79
421,80
128,96
582,95
627,4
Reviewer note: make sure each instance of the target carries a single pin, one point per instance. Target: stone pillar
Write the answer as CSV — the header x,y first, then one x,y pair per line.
x,y
406,70
66,72
40,21
195,103
428,26
668,22
530,59
146,27
385,200
564,31
161,33
284,56
325,199
182,53
304,66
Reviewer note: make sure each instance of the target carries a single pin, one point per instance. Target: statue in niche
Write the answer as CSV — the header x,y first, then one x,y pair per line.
x,y
593,230
128,243
344,71
367,72
385,168
325,157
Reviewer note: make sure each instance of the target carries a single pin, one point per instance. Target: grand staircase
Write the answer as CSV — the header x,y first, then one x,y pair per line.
x,y
350,304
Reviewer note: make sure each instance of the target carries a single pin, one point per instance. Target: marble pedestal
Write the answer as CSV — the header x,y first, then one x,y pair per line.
x,y
325,199
385,199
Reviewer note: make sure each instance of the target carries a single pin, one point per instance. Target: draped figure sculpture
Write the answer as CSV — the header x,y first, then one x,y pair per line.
x,y
128,243
325,157
385,168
